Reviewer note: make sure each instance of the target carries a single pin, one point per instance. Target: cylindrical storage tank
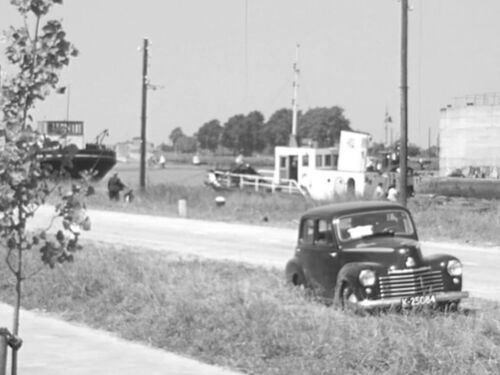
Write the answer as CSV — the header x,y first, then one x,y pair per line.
x,y
469,137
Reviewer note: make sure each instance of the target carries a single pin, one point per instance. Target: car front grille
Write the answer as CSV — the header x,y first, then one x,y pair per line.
x,y
411,282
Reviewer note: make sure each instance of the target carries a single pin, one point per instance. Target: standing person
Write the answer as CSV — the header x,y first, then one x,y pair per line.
x,y
239,159
115,185
379,194
162,161
392,194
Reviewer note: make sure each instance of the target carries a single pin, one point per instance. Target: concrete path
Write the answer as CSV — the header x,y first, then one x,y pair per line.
x,y
54,347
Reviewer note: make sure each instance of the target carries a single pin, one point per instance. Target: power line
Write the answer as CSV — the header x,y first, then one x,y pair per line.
x,y
246,53
419,67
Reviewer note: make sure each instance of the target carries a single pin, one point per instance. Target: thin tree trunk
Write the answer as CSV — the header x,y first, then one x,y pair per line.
x,y
32,71
17,308
19,279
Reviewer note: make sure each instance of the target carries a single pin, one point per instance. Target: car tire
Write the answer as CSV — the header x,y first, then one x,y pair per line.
x,y
348,297
295,276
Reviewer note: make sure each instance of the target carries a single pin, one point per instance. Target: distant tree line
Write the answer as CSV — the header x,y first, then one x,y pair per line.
x,y
251,133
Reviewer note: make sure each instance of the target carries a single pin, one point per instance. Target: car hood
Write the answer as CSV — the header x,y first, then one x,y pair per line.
x,y
392,252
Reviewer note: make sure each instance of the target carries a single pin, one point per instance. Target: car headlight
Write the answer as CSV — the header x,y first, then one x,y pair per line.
x,y
454,268
367,277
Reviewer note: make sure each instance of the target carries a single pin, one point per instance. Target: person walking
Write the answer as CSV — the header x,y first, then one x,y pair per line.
x,y
392,194
379,194
162,161
115,185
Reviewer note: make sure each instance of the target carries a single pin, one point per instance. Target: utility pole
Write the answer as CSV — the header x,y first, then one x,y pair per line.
x,y
429,142
68,95
145,54
293,137
403,156
387,121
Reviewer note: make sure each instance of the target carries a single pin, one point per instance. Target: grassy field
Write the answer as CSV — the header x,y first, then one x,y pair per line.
x,y
245,318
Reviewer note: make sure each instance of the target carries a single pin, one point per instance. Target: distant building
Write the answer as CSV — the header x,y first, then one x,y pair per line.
x,y
130,151
469,134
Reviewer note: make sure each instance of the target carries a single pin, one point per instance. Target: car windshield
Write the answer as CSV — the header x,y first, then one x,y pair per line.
x,y
373,223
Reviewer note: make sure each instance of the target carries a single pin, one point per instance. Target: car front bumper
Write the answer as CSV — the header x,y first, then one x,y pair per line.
x,y
369,304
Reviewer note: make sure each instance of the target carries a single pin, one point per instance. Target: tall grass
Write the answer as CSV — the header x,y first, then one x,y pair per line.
x,y
241,205
464,220
247,319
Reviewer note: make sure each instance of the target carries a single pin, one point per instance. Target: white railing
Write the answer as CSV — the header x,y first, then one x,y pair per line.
x,y
259,183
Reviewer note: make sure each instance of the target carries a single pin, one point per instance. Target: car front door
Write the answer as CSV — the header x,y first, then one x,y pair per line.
x,y
319,255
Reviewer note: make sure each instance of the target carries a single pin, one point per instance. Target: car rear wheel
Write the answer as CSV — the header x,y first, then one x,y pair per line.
x,y
295,277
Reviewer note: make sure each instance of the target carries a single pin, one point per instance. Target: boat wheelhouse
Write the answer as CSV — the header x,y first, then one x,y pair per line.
x,y
328,172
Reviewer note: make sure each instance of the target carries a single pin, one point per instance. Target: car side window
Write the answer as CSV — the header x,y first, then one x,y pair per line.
x,y
307,235
324,234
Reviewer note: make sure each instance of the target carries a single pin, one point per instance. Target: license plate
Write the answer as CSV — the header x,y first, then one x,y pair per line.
x,y
407,302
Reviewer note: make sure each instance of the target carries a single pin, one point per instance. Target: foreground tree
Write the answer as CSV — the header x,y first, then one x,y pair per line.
x,y
36,54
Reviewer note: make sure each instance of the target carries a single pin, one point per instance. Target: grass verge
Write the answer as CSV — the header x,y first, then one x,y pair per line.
x,y
245,317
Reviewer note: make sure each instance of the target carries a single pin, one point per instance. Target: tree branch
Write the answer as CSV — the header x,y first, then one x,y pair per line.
x,y
32,69
7,260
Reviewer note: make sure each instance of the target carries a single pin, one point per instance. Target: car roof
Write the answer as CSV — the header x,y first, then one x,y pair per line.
x,y
339,209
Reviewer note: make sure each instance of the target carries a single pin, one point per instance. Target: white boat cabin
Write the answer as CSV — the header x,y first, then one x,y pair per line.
x,y
327,172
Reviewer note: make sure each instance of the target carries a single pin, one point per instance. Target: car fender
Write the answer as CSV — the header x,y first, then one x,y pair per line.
x,y
349,273
435,260
440,262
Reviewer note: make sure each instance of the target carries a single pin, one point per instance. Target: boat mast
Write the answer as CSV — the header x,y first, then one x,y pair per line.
x,y
293,137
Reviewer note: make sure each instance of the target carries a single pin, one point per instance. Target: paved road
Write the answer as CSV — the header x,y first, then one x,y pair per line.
x,y
56,348
258,244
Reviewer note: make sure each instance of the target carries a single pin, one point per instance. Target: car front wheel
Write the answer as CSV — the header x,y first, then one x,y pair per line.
x,y
348,297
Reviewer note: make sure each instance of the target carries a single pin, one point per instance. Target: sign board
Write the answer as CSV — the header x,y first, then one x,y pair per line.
x,y
65,132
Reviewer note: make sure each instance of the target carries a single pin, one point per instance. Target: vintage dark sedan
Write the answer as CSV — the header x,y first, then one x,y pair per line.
x,y
366,255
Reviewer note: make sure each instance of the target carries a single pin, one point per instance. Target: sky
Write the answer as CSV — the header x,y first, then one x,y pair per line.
x,y
218,58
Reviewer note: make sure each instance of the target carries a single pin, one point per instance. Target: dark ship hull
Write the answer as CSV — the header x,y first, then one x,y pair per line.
x,y
96,159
